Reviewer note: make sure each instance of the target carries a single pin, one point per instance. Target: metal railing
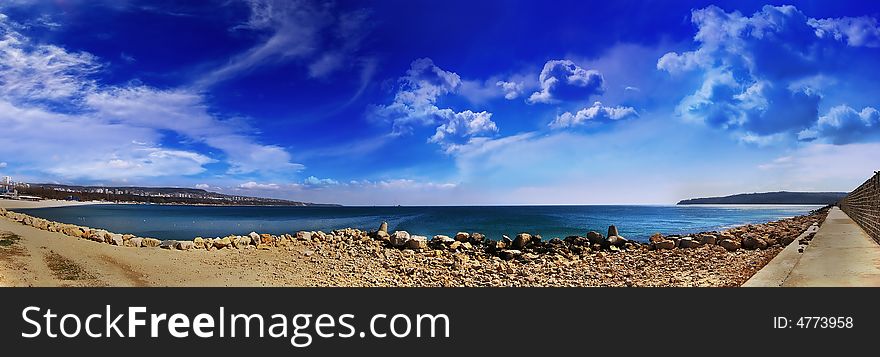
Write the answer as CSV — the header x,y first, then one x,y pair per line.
x,y
863,206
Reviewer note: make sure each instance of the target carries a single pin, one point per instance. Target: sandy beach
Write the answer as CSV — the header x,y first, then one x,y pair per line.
x,y
13,204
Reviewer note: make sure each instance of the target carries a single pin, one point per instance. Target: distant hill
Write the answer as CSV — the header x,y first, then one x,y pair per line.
x,y
160,195
778,198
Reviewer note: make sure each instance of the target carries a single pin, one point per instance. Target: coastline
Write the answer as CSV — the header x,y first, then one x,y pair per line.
x,y
351,257
46,203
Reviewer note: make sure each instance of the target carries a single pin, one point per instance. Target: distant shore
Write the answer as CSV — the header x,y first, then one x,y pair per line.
x,y
16,204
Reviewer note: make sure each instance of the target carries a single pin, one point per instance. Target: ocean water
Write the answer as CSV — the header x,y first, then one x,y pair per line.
x,y
634,222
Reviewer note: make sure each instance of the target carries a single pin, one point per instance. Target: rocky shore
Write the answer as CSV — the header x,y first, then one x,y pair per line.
x,y
352,257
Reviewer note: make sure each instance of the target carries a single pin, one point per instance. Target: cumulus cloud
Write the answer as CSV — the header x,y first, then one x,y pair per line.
x,y
564,80
843,125
415,104
75,127
757,71
202,186
856,31
252,185
317,182
597,112
512,90
315,33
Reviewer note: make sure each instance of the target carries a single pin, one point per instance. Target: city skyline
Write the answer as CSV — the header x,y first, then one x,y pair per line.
x,y
495,102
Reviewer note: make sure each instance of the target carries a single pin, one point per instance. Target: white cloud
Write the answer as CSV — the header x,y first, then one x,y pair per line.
x,y
309,31
512,90
415,103
564,80
825,167
843,125
316,182
3,165
202,186
596,112
252,185
856,31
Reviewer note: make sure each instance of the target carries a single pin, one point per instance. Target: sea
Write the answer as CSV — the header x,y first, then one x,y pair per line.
x,y
634,222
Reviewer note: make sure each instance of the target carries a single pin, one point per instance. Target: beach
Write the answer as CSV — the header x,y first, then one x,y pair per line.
x,y
39,257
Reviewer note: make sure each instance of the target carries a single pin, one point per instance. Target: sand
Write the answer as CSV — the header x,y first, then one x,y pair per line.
x,y
13,204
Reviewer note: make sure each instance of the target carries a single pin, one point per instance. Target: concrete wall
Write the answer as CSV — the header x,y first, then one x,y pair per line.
x,y
863,206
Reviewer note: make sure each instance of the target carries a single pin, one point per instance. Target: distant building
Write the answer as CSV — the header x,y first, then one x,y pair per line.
x,y
7,180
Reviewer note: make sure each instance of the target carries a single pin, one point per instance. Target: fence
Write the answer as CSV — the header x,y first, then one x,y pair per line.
x,y
863,206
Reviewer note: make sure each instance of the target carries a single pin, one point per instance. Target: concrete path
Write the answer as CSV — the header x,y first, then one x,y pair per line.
x,y
840,254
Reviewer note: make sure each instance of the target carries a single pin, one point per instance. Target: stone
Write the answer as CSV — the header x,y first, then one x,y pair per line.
x,y
510,254
477,238
150,242
383,227
462,236
729,244
185,245
708,239
264,247
506,240
521,240
116,239
303,235
688,243
399,238
268,239
467,246
383,236
454,245
221,243
612,231
209,244
168,244
127,236
665,244
614,241
199,243
750,241
595,237
656,237
417,243
254,237
241,242
134,242
443,239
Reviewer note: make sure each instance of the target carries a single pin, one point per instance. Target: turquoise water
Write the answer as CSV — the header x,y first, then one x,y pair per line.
x,y
634,222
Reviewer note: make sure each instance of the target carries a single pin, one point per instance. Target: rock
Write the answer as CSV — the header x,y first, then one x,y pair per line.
x,y
614,241
150,242
506,240
221,243
134,242
399,238
199,243
168,244
383,227
442,239
454,245
209,244
688,243
185,245
417,243
303,235
477,238
269,240
116,239
665,244
467,246
254,237
462,236
576,241
241,242
750,241
656,237
522,240
729,244
510,254
127,236
264,247
595,237
383,236
612,231
708,239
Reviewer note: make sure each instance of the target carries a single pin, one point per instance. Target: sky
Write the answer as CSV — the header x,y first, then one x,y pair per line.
x,y
443,102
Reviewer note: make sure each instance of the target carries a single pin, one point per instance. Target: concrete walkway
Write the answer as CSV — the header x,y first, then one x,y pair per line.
x,y
840,254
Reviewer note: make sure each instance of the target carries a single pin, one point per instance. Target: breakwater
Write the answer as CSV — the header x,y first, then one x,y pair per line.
x,y
863,206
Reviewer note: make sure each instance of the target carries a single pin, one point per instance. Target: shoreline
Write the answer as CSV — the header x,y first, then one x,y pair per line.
x,y
731,255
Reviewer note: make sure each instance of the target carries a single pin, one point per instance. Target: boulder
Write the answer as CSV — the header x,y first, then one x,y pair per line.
x,y
303,235
462,236
510,254
595,237
477,238
199,243
134,242
442,239
688,242
254,237
576,241
522,240
399,238
656,237
116,239
221,243
241,242
209,244
383,236
417,243
750,241
467,246
268,239
708,239
383,227
729,244
168,244
612,231
150,242
506,240
454,245
614,241
665,244
184,245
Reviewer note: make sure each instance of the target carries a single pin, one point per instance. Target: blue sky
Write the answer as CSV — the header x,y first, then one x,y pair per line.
x,y
447,102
